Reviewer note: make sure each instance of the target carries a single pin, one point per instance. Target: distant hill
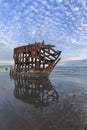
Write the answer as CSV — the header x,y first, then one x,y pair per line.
x,y
78,62
6,66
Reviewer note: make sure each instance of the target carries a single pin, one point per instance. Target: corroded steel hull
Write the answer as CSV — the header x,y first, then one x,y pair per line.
x,y
36,59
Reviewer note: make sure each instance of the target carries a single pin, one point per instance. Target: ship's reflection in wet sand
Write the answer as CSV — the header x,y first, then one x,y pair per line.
x,y
42,104
36,91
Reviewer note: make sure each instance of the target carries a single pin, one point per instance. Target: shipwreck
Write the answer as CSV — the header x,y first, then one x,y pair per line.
x,y
35,60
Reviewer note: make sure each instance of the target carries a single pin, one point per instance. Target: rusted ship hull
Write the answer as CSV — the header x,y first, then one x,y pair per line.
x,y
35,60
29,73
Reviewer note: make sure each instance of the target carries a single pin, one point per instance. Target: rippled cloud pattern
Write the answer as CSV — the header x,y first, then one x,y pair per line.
x,y
59,22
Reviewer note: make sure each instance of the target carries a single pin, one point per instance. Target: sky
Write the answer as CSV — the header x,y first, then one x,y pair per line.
x,y
62,23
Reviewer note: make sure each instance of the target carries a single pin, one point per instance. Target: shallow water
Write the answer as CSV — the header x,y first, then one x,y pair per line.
x,y
57,103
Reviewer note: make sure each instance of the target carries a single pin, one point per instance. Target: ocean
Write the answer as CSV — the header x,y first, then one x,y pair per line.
x,y
56,103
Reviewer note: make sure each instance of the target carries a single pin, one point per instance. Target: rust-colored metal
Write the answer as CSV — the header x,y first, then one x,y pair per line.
x,y
37,57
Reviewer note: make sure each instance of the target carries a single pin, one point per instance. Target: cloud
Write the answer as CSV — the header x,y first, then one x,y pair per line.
x,y
33,32
59,22
7,44
2,44
59,1
84,25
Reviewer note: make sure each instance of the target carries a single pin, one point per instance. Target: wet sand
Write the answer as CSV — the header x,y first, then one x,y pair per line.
x,y
57,103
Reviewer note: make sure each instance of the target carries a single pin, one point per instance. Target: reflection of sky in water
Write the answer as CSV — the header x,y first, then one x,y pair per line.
x,y
68,113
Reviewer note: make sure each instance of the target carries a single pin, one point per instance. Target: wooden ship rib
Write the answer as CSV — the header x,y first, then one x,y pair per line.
x,y
36,59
